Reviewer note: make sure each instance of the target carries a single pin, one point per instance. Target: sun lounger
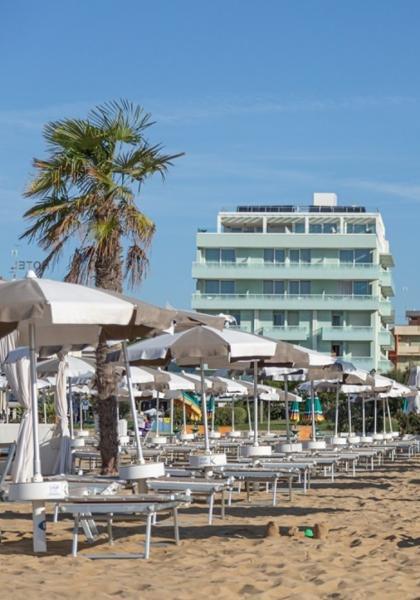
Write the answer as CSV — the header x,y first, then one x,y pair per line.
x,y
138,506
255,475
7,454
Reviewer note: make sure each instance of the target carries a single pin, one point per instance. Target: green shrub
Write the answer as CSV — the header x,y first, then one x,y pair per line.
x,y
223,416
409,423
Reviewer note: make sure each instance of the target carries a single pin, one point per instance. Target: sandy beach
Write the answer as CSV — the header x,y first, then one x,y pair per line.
x,y
372,549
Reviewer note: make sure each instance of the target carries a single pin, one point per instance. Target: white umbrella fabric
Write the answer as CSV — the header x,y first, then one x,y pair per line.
x,y
199,346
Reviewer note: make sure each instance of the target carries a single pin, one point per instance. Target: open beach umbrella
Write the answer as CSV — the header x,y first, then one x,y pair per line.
x,y
203,345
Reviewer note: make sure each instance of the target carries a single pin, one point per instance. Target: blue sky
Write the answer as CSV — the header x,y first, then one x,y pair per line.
x,y
271,101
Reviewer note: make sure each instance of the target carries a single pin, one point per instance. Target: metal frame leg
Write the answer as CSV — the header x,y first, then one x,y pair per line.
x,y
222,505
109,528
176,525
274,491
211,505
148,535
75,535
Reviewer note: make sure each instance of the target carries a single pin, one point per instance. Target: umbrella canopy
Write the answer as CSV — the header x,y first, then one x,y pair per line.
x,y
201,345
223,386
76,368
196,379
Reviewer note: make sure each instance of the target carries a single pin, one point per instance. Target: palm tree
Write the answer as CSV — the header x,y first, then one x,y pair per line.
x,y
85,193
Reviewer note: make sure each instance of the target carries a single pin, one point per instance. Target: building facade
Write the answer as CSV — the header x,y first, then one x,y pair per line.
x,y
406,352
319,276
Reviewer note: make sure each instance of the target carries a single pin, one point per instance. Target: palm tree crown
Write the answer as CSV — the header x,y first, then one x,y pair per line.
x,y
86,186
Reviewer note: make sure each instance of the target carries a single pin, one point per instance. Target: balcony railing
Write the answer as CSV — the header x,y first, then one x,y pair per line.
x,y
347,332
285,332
249,262
337,297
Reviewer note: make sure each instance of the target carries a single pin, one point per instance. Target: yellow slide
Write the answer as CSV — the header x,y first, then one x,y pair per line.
x,y
191,405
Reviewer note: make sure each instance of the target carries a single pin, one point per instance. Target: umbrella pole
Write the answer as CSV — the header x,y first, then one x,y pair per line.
x,y
133,407
233,415
34,400
71,416
313,411
204,408
337,399
184,414
375,415
248,410
349,412
171,410
157,413
269,417
44,404
383,416
286,396
255,403
213,410
363,418
389,415
81,413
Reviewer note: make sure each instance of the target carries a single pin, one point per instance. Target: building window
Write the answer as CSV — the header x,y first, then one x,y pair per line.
x,y
217,255
358,256
337,320
336,349
299,288
278,318
361,227
346,256
215,286
273,287
324,227
361,288
236,316
299,227
302,256
272,255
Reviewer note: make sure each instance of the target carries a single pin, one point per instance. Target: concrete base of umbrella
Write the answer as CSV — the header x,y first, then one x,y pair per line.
x,y
378,437
315,445
388,436
366,439
215,435
337,440
353,439
144,471
38,490
187,437
247,434
234,434
207,460
82,433
395,434
77,443
159,440
289,448
252,451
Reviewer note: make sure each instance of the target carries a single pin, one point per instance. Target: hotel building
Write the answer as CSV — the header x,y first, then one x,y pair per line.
x,y
319,276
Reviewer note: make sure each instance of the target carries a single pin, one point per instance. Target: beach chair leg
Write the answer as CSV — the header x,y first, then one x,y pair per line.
x,y
176,525
290,489
222,505
211,503
305,481
332,473
274,492
230,496
148,535
75,535
56,509
109,528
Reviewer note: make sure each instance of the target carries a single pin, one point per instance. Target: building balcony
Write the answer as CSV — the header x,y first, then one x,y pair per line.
x,y
285,301
287,240
408,349
347,333
296,333
386,339
386,283
386,311
254,269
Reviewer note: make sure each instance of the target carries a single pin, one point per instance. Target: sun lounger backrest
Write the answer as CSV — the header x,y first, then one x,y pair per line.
x,y
7,453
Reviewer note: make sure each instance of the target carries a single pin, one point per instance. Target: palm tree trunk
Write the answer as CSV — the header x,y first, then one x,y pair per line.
x,y
108,275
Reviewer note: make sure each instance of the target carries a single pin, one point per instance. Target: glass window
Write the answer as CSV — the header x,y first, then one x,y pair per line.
x,y
346,256
330,227
362,255
315,228
211,286
361,288
268,255
305,255
278,318
228,255
212,254
361,228
236,316
294,288
337,320
299,227
227,287
305,287
279,256
268,287
294,256
293,318
279,287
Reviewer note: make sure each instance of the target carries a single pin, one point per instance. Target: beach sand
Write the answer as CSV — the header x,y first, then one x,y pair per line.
x,y
372,549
